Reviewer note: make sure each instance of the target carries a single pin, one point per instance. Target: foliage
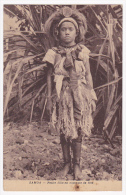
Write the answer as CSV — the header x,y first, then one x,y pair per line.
x,y
25,44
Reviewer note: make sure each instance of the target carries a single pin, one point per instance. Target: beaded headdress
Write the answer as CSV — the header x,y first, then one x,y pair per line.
x,y
66,14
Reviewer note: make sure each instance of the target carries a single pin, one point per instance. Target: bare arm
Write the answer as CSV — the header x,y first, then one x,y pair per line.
x,y
49,88
90,82
49,83
88,74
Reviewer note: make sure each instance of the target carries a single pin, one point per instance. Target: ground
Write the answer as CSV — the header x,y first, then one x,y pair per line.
x,y
30,152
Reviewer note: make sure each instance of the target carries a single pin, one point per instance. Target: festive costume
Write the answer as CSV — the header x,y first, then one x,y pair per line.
x,y
72,100
72,96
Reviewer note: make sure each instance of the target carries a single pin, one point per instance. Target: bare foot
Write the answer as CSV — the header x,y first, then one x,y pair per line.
x,y
77,173
62,174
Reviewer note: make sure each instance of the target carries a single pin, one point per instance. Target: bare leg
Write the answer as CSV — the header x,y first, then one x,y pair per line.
x,y
76,146
66,156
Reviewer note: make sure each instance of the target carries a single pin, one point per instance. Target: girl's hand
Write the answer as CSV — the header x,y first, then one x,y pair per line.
x,y
93,105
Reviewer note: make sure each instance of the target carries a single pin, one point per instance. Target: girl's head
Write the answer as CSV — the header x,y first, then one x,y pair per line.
x,y
67,21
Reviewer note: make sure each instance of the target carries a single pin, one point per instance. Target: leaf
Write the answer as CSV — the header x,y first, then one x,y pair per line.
x,y
110,83
93,29
12,13
36,20
98,108
118,99
20,83
30,86
111,99
20,63
36,68
43,110
100,52
110,33
10,88
98,18
105,66
114,126
9,82
39,91
97,55
7,53
114,14
101,93
30,42
110,116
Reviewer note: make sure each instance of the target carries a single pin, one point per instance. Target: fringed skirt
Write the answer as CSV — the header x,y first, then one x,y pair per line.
x,y
72,111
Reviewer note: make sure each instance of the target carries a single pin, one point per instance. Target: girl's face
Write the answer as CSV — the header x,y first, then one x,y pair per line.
x,y
67,33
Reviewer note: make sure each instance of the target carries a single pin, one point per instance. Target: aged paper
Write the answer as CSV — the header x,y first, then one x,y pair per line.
x,y
39,185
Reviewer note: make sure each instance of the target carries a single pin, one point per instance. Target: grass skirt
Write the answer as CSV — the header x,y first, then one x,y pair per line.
x,y
73,110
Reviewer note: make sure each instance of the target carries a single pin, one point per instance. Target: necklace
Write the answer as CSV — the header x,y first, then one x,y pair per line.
x,y
67,46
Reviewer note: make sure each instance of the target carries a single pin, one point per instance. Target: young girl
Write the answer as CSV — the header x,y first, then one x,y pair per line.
x,y
72,100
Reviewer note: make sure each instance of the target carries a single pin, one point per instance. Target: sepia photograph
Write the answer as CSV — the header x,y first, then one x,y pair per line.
x,y
62,97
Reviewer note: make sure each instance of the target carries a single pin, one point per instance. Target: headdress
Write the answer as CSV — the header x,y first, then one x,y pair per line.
x,y
68,19
66,14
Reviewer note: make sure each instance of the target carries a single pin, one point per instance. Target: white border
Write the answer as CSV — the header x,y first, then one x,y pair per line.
x,y
2,2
